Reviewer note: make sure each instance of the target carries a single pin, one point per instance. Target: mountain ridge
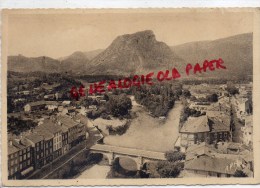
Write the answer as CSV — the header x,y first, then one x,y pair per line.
x,y
140,53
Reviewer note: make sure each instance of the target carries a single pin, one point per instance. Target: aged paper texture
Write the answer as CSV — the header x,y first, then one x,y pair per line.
x,y
130,97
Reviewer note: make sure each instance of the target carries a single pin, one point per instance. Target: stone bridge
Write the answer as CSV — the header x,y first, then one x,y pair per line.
x,y
139,156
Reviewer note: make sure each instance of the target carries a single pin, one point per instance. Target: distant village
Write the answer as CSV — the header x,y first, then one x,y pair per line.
x,y
215,129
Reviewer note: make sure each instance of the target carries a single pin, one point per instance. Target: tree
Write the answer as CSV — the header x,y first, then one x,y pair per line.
x,y
186,93
212,98
232,90
119,105
173,156
239,173
169,169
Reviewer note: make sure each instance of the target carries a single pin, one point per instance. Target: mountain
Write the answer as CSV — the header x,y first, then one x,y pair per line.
x,y
236,52
137,53
75,62
141,53
31,64
92,54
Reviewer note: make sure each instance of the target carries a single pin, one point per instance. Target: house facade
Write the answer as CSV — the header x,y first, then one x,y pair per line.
x,y
38,155
13,161
211,128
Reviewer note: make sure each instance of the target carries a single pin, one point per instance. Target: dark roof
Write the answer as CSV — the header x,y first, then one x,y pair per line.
x,y
218,121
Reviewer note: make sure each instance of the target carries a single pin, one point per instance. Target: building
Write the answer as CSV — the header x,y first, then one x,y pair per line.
x,y
25,156
48,142
200,106
65,139
242,107
222,105
72,126
33,106
37,143
211,128
203,160
194,130
56,131
49,97
247,131
13,161
40,105
210,166
82,126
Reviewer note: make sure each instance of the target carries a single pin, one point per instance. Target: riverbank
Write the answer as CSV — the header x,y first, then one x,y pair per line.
x,y
148,133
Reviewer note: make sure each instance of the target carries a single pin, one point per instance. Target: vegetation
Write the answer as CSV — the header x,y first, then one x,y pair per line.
x,y
239,173
120,130
116,105
212,98
168,169
173,156
119,105
187,112
17,126
232,90
158,99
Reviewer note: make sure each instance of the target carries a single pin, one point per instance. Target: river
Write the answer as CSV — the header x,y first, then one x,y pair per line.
x,y
145,132
149,133
95,172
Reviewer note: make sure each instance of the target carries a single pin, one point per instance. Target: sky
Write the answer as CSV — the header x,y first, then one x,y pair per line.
x,y
60,34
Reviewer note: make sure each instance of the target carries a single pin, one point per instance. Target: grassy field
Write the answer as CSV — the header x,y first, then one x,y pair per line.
x,y
148,133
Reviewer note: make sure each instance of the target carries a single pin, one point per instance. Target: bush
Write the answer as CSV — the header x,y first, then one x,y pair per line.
x,y
173,156
169,169
239,173
212,98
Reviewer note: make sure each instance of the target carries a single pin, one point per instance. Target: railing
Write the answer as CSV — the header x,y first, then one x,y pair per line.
x,y
129,151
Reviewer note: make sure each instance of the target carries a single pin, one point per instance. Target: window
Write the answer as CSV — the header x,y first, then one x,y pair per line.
x,y
28,162
21,158
12,163
15,169
12,170
24,156
28,149
21,166
28,155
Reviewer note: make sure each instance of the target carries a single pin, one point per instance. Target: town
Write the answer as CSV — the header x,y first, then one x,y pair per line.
x,y
51,135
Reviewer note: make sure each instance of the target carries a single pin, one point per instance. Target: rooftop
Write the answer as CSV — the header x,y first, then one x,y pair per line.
x,y
213,164
218,121
34,137
67,121
195,124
